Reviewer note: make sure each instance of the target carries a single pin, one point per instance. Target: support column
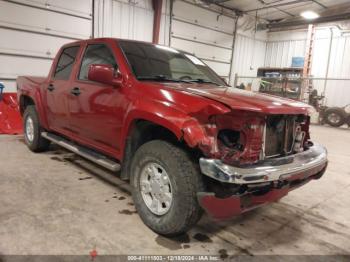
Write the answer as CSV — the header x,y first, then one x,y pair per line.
x,y
157,8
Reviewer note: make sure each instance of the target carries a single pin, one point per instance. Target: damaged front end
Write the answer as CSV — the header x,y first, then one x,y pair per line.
x,y
256,159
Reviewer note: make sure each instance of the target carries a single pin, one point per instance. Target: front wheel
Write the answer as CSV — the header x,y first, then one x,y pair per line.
x,y
32,131
165,182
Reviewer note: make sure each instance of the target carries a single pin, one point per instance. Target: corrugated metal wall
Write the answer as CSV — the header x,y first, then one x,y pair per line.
x,y
280,53
249,55
282,46
337,92
130,20
249,49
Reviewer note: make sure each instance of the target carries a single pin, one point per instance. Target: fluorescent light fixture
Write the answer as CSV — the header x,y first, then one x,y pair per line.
x,y
309,15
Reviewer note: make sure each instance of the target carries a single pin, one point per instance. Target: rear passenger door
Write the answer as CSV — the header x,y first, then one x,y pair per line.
x,y
58,90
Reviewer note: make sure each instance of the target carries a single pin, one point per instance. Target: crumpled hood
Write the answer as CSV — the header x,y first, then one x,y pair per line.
x,y
245,100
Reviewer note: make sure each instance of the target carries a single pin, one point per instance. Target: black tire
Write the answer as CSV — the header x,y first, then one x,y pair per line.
x,y
185,179
36,143
329,117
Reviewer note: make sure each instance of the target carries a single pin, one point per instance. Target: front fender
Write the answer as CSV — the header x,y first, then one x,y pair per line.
x,y
158,113
187,126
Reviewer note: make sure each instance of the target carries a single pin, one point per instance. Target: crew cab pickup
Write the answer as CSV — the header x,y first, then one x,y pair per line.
x,y
185,140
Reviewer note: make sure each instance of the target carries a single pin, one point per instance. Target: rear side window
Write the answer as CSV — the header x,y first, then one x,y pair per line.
x,y
96,54
65,63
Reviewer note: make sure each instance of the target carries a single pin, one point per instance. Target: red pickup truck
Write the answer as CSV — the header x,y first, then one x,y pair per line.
x,y
185,140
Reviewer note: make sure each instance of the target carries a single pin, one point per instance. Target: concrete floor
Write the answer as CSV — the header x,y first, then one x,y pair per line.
x,y
57,203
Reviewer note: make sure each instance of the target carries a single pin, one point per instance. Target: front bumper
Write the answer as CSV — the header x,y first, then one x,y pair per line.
x,y
284,175
308,162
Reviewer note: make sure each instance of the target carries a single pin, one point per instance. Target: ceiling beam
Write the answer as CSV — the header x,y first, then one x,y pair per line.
x,y
276,5
235,10
324,19
277,8
283,11
317,2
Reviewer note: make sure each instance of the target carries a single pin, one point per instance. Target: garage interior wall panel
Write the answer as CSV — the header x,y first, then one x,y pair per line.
x,y
33,31
124,19
280,53
44,21
204,33
29,44
249,55
75,7
164,34
282,46
337,92
130,20
249,50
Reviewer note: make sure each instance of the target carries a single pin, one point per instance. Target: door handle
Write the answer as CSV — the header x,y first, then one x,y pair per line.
x,y
51,87
75,91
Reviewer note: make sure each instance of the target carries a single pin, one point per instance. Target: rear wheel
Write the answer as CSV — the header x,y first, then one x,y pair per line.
x,y
165,183
32,131
334,117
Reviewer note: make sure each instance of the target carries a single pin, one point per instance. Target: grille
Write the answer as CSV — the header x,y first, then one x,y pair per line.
x,y
279,135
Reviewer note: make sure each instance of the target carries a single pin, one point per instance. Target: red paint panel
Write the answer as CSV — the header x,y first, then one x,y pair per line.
x,y
221,208
269,197
10,117
225,208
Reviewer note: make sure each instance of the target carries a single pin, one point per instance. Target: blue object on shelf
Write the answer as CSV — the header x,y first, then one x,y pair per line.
x,y
297,61
1,90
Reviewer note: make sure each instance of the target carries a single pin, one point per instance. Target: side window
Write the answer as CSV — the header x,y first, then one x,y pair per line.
x,y
66,62
96,54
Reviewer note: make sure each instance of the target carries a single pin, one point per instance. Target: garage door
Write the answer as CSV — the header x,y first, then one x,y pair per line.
x,y
32,31
204,33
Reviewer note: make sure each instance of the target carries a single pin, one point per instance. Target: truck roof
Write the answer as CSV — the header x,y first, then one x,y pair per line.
x,y
104,39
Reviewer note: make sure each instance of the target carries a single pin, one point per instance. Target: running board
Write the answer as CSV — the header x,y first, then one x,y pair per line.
x,y
83,152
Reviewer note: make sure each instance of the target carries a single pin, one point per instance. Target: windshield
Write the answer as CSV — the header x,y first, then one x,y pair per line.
x,y
162,63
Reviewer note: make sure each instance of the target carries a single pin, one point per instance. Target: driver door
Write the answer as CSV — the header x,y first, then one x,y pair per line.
x,y
96,109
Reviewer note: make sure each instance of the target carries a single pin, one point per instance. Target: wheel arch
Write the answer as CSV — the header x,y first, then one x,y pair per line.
x,y
144,129
33,99
141,131
25,101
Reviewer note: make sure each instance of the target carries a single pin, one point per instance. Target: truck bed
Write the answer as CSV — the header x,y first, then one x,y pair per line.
x,y
37,80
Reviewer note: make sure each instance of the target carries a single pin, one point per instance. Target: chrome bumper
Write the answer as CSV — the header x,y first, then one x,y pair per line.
x,y
270,170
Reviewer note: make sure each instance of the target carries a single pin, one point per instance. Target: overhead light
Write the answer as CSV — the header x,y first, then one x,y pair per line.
x,y
309,15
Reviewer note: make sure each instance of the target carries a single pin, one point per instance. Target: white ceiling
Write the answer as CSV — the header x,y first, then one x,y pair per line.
x,y
282,11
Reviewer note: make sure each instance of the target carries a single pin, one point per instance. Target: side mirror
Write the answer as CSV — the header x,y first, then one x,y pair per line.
x,y
105,74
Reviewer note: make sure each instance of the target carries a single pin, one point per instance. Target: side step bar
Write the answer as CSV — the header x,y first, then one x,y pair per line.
x,y
82,151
